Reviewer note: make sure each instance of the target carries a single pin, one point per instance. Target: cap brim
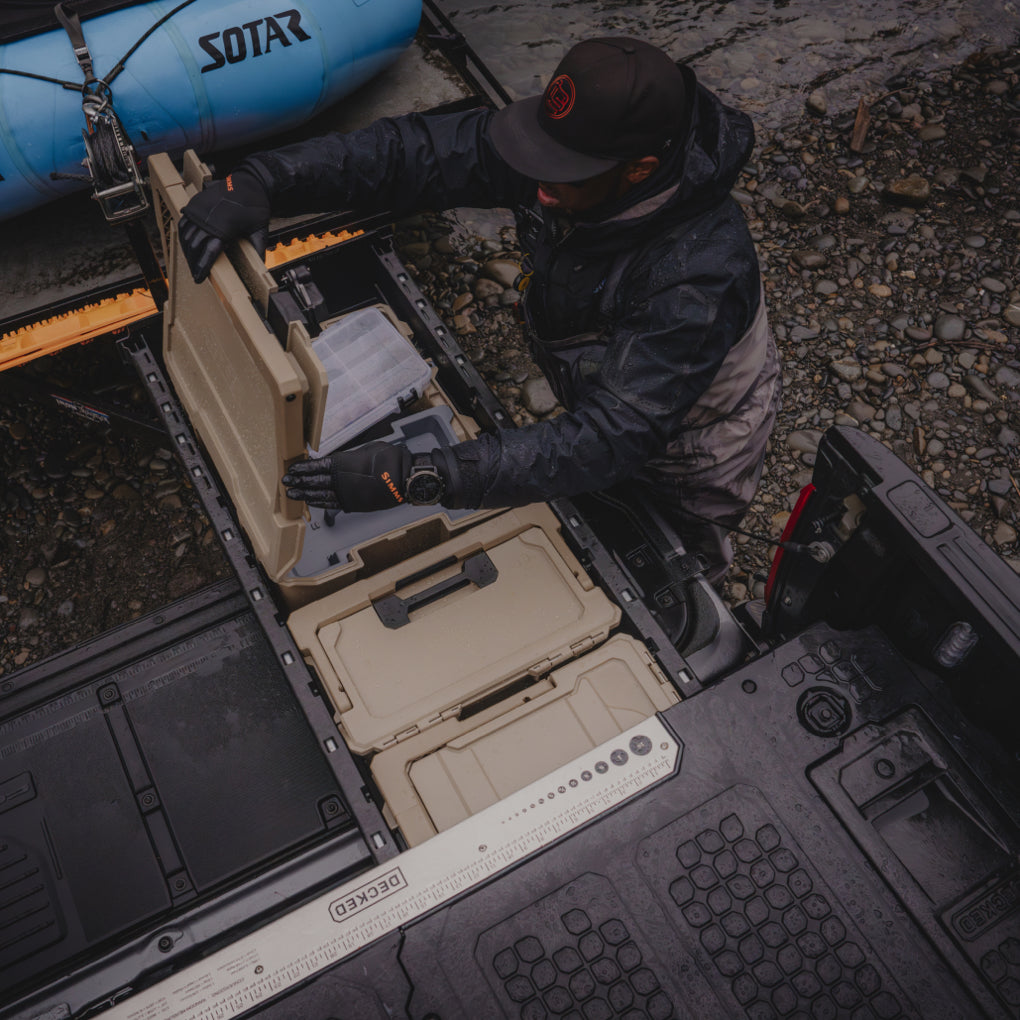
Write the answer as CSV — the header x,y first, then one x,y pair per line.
x,y
520,140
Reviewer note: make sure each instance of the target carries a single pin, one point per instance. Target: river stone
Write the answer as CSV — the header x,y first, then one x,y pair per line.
x,y
980,388
1004,534
809,259
503,271
860,410
993,285
36,577
1007,437
1008,377
931,133
816,103
804,440
1012,314
949,327
912,190
126,493
938,381
847,369
790,209
485,288
893,418
537,397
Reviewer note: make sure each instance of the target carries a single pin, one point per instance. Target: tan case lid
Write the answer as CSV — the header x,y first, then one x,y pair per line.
x,y
244,394
256,406
441,777
420,642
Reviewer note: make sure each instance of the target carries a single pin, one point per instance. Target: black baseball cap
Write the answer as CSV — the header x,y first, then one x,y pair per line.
x,y
609,100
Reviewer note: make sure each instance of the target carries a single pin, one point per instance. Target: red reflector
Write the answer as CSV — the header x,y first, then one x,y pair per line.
x,y
791,524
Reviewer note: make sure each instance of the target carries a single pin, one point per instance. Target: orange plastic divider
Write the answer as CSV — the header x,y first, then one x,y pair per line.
x,y
114,313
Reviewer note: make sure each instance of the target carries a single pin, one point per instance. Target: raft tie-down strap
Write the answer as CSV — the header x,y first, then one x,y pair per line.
x,y
72,26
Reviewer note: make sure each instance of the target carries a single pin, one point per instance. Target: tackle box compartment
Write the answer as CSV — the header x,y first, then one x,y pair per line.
x,y
373,372
259,405
449,772
429,638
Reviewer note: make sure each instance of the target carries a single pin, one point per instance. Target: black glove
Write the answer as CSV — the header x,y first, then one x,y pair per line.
x,y
372,477
237,206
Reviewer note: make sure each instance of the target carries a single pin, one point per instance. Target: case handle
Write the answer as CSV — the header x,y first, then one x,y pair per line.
x,y
394,611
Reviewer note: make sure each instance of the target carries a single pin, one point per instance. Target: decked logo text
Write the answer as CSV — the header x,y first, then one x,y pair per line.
x,y
365,895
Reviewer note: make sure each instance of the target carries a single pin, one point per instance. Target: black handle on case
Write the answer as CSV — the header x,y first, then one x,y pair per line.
x,y
394,611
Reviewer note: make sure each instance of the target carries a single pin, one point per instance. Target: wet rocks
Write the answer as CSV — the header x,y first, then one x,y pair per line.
x,y
83,531
912,190
917,343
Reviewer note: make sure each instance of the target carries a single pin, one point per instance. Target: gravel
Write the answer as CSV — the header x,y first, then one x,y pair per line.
x,y
892,277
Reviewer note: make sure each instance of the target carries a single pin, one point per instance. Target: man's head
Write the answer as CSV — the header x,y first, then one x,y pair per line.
x,y
602,124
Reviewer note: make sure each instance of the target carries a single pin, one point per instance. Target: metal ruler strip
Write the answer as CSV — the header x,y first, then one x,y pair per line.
x,y
294,947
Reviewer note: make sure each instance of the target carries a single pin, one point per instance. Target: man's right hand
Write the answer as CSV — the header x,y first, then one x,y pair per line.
x,y
225,210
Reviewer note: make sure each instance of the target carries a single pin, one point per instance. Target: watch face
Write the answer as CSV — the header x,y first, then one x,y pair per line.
x,y
424,488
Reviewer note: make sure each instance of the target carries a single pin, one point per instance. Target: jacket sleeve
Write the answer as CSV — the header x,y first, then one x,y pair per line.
x,y
672,330
601,442
398,165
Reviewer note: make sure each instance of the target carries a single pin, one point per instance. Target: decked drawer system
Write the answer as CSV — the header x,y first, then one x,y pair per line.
x,y
421,625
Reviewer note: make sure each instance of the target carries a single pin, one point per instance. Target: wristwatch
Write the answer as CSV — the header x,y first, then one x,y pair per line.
x,y
425,485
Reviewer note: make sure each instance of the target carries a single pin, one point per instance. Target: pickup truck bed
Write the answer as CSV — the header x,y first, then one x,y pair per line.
x,y
824,826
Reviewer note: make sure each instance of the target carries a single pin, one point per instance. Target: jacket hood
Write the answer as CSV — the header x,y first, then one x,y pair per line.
x,y
699,172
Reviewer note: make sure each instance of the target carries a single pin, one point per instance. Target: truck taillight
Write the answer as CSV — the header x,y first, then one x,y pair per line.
x,y
791,525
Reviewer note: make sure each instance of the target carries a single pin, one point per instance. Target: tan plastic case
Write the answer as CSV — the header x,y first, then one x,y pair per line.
x,y
443,633
257,406
440,777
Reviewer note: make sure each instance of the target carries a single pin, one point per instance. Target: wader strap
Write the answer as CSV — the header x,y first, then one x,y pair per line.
x,y
72,26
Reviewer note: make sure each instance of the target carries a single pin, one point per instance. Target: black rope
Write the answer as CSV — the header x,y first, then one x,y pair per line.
x,y
105,147
115,70
119,66
70,85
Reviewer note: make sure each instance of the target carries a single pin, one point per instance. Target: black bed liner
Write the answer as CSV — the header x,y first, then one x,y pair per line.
x,y
783,871
165,764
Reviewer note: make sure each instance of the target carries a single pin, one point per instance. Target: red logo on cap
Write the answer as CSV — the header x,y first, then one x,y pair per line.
x,y
559,97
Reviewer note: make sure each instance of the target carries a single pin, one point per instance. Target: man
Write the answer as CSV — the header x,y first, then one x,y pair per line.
x,y
643,300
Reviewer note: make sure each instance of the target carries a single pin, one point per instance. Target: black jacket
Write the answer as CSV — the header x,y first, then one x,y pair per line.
x,y
663,283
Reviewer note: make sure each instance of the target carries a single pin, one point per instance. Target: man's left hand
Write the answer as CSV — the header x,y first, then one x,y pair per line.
x,y
372,477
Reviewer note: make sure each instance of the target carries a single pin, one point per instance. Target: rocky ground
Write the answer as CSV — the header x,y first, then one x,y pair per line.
x,y
892,275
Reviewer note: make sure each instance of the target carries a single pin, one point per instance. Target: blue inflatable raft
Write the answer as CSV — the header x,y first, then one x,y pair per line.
x,y
200,74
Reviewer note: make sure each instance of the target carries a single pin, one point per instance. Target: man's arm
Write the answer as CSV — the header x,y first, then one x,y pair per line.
x,y
671,334
402,164
397,165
